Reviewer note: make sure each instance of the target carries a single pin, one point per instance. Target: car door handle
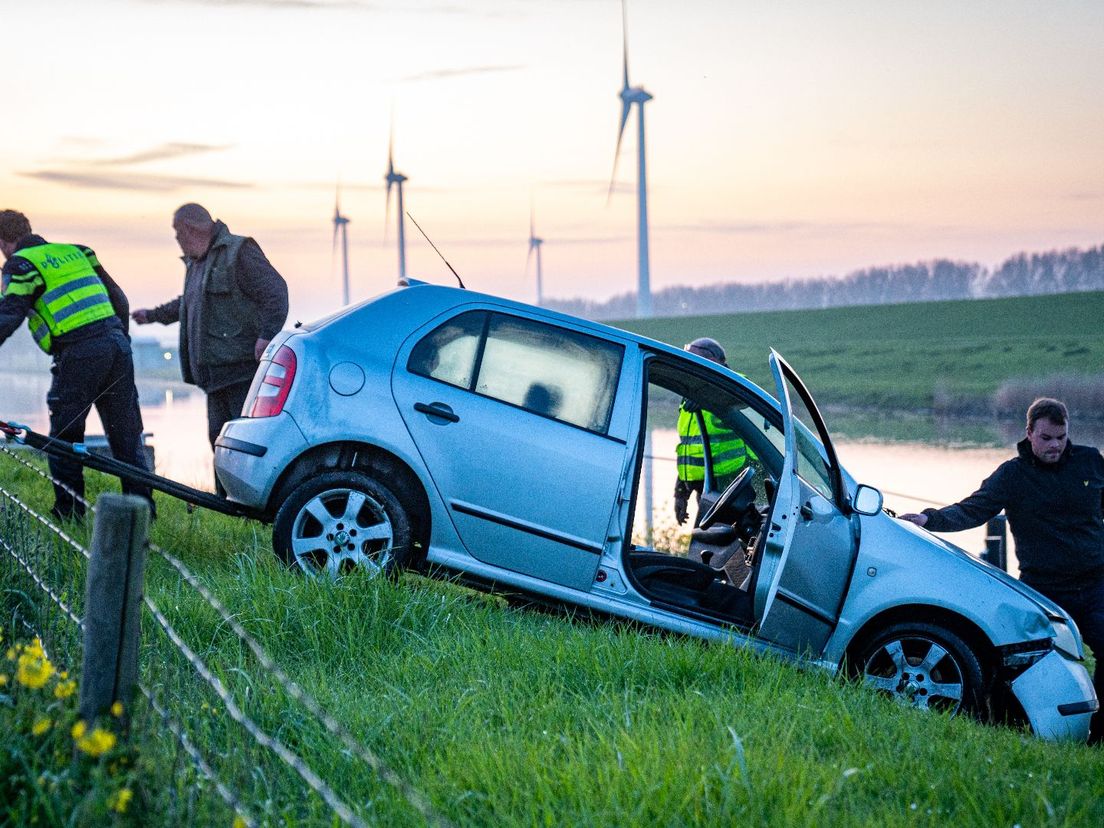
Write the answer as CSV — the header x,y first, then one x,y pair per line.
x,y
437,410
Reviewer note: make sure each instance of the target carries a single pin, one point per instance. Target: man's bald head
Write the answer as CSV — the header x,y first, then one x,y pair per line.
x,y
194,215
194,229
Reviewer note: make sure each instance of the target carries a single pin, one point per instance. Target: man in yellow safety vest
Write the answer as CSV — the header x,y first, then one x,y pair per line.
x,y
728,451
78,315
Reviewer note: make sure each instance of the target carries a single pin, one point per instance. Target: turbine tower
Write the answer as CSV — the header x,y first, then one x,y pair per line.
x,y
340,224
535,244
396,178
636,95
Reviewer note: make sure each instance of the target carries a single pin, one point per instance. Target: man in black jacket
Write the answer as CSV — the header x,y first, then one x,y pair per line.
x,y
234,301
1053,495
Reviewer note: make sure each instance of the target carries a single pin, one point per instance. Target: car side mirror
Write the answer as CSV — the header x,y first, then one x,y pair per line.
x,y
867,500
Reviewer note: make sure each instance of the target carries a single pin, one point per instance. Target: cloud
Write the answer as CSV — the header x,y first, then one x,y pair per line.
x,y
779,227
172,149
129,181
92,174
445,74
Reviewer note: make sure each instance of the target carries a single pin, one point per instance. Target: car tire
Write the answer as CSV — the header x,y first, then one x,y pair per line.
x,y
925,666
338,521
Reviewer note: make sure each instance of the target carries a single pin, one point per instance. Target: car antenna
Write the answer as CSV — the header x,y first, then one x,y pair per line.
x,y
435,250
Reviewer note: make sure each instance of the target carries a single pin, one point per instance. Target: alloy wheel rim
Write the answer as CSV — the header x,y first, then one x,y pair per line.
x,y
339,530
918,671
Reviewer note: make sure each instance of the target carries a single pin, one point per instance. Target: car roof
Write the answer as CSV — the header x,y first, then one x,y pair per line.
x,y
430,300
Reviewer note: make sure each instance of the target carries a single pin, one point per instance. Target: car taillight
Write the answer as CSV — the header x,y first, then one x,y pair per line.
x,y
275,385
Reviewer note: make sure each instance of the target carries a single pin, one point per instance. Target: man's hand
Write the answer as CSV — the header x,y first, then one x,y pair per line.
x,y
141,316
682,502
259,348
912,517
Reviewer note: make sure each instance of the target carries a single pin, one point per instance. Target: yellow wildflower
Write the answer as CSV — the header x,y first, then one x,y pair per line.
x,y
117,709
34,670
96,743
3,679
65,689
239,821
78,730
41,726
119,800
12,653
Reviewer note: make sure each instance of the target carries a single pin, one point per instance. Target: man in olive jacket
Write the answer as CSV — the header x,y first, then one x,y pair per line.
x,y
1053,494
233,303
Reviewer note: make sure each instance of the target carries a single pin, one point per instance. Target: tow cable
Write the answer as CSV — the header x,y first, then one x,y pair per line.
x,y
79,452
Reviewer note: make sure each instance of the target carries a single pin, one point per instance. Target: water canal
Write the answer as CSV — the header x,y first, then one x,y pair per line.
x,y
916,461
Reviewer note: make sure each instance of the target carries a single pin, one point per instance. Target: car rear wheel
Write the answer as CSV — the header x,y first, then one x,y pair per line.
x,y
338,521
924,666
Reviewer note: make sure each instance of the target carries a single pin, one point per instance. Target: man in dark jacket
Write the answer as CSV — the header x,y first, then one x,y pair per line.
x,y
233,303
1053,494
78,315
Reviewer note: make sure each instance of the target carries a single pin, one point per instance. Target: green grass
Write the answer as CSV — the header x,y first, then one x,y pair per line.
x,y
511,717
944,355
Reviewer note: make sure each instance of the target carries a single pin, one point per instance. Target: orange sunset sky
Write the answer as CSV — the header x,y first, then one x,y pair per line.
x,y
787,139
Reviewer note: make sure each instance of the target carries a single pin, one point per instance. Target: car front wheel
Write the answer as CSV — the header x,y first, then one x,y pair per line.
x,y
925,666
338,521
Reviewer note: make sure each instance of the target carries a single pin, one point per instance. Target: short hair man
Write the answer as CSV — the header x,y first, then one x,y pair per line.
x,y
232,304
78,315
1053,494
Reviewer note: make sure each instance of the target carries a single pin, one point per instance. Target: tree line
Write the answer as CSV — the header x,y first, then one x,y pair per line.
x,y
1058,271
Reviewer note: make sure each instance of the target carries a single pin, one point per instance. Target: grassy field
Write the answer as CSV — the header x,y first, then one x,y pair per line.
x,y
506,716
952,356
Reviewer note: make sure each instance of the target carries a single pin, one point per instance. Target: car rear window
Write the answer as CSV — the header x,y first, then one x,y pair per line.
x,y
551,371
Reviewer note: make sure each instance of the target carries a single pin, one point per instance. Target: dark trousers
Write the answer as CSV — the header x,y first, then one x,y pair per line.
x,y
224,405
1085,604
97,371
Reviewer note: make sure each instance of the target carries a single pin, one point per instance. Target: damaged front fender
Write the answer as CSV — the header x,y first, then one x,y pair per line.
x,y
1057,697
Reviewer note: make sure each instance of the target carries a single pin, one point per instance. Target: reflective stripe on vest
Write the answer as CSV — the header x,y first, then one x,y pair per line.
x,y
74,295
729,452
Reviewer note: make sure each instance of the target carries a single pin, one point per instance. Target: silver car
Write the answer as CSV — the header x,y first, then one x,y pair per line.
x,y
441,430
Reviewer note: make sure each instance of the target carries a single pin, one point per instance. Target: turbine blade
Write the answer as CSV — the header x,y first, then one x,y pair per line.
x,y
625,107
625,40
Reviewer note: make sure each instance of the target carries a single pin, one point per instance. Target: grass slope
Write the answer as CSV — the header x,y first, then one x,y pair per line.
x,y
913,356
510,717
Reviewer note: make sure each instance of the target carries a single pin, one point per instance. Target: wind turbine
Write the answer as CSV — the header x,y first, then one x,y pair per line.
x,y
398,178
535,244
636,95
340,224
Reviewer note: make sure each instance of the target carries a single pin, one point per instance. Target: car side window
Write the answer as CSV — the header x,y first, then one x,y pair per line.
x,y
448,354
551,371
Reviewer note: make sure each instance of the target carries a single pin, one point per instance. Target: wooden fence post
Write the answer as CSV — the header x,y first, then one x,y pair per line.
x,y
113,604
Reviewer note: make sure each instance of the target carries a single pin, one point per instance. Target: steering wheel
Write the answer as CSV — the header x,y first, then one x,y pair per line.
x,y
730,496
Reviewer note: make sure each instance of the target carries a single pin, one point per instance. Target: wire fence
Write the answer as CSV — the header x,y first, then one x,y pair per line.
x,y
217,726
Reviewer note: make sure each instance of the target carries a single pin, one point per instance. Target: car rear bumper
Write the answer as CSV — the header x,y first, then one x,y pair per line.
x,y
250,454
1058,698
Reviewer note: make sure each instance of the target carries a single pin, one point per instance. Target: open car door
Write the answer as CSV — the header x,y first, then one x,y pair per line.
x,y
810,547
